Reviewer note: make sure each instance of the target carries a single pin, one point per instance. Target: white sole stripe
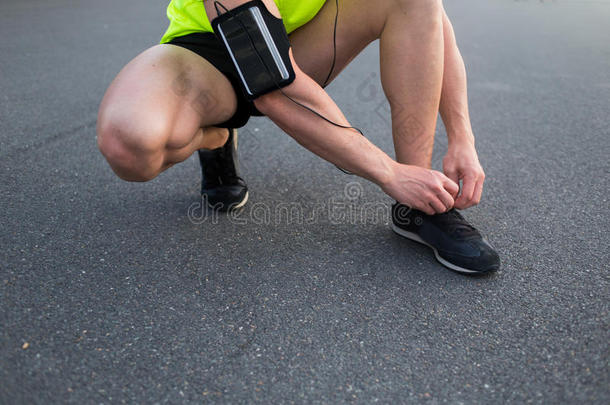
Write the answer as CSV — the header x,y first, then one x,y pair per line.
x,y
234,207
416,238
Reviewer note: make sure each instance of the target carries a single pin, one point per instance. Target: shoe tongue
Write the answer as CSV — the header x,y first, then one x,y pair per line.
x,y
457,225
227,169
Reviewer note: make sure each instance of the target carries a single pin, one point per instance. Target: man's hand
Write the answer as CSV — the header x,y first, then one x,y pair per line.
x,y
462,163
426,190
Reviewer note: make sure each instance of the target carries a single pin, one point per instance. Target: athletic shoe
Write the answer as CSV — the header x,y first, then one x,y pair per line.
x,y
456,244
221,185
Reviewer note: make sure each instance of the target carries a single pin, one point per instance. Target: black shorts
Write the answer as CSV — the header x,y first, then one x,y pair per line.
x,y
209,47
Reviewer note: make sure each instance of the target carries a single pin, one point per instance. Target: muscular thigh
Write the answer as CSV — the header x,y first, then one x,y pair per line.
x,y
360,23
168,90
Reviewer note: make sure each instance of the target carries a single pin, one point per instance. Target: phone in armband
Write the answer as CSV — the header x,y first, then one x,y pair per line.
x,y
258,45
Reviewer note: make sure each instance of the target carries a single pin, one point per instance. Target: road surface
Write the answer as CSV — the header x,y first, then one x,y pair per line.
x,y
113,292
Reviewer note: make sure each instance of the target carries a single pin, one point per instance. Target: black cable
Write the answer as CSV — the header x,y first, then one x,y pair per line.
x,y
332,67
318,114
217,4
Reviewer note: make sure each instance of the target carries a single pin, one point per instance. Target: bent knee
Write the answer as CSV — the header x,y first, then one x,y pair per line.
x,y
133,148
269,102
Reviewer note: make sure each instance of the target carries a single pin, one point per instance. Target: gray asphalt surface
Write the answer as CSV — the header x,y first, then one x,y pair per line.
x,y
128,293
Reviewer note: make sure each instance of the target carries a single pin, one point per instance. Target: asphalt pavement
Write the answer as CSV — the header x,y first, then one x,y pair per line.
x,y
114,292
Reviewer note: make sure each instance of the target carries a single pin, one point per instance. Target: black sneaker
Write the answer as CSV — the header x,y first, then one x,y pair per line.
x,y
221,186
456,244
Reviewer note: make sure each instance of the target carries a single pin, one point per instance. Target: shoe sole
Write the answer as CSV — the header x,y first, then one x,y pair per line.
x,y
241,204
234,206
414,237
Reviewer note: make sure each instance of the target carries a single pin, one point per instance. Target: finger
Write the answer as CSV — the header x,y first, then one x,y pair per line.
x,y
437,206
424,207
427,208
478,192
447,200
452,188
468,186
453,175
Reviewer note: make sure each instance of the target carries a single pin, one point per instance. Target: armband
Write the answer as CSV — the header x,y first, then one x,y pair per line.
x,y
258,45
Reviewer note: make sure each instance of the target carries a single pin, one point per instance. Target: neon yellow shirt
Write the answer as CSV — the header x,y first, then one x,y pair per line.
x,y
188,16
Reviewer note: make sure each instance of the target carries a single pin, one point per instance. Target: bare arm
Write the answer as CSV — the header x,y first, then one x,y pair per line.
x,y
344,147
427,190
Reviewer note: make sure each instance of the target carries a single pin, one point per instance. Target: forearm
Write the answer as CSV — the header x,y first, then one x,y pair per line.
x,y
454,96
345,148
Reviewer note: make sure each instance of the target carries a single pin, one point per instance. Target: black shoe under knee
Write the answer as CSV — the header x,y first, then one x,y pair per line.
x,y
221,186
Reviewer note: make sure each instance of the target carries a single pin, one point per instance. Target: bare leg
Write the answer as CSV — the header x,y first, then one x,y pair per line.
x,y
412,77
160,109
454,99
412,47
